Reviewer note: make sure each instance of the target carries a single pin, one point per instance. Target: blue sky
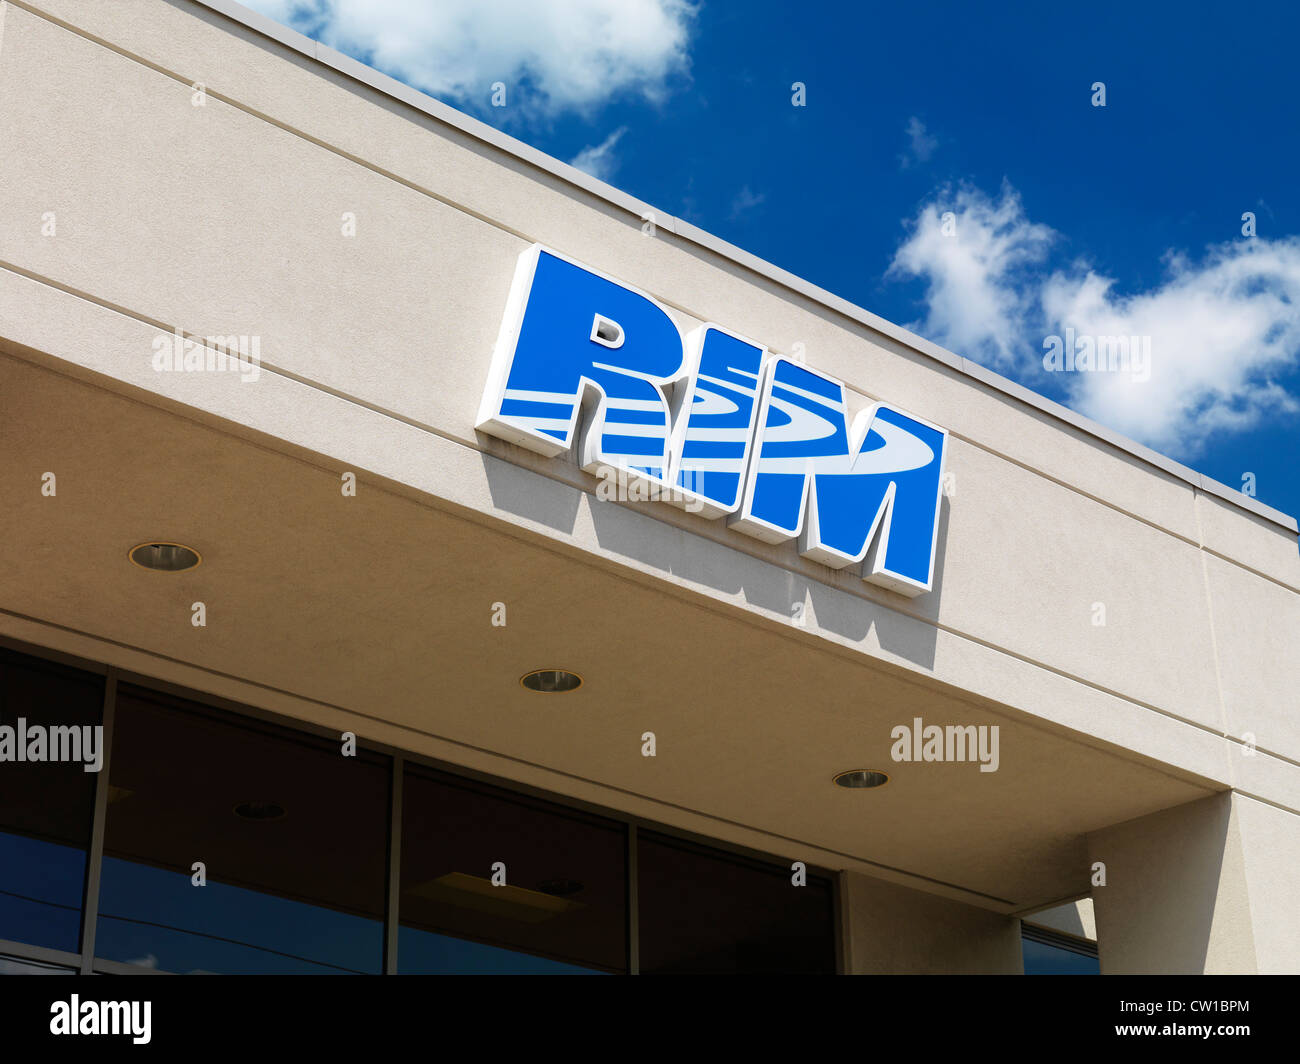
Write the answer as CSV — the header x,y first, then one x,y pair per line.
x,y
1122,220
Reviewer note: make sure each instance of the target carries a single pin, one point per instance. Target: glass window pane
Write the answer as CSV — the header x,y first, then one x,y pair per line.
x,y
1043,958
46,807
293,836
563,907
705,911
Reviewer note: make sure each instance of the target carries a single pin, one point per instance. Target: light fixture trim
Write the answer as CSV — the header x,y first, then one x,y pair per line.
x,y
860,778
551,681
131,556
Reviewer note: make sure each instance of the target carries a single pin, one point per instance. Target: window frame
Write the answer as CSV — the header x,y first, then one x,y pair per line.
x,y
86,963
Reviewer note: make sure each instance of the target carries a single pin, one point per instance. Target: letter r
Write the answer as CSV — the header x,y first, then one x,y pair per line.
x,y
574,341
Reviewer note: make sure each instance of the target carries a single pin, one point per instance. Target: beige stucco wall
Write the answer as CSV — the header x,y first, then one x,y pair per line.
x,y
895,931
1207,887
1270,845
1076,918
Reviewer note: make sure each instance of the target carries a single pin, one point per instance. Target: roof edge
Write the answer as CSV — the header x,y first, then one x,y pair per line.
x,y
448,115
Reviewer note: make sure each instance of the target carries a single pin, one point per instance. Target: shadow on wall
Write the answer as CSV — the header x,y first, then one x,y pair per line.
x,y
840,605
1169,875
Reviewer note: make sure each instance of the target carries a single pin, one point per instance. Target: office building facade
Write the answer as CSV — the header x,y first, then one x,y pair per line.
x,y
422,557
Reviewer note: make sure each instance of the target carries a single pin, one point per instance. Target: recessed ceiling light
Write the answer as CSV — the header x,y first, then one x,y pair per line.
x,y
259,811
861,777
551,680
165,557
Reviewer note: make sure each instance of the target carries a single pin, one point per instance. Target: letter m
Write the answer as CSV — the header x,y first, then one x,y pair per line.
x,y
867,491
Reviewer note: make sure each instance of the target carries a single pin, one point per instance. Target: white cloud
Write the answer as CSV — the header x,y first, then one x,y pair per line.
x,y
1221,329
973,253
745,200
599,160
921,145
552,56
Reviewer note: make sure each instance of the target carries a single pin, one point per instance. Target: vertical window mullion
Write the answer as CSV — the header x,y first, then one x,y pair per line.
x,y
95,857
843,924
391,915
633,923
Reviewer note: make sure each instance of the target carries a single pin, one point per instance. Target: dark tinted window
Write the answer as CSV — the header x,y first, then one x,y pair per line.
x,y
563,907
46,808
293,836
703,911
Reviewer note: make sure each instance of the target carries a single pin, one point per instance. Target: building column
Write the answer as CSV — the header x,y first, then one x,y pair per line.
x,y
893,930
1186,888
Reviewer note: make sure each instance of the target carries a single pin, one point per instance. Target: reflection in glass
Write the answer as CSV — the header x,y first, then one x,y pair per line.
x,y
300,889
292,840
562,907
46,808
1048,958
14,966
709,912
